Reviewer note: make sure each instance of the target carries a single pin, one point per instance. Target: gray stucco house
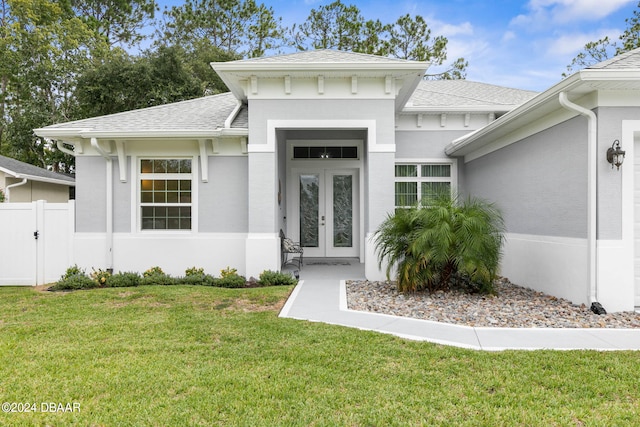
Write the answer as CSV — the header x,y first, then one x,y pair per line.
x,y
323,145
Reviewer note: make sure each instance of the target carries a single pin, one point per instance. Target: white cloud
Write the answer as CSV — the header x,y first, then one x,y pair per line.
x,y
508,36
450,30
563,11
571,44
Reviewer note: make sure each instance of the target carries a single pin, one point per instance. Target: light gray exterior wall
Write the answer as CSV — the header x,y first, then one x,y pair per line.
x,y
610,180
539,183
91,204
223,205
425,144
261,111
383,111
262,193
428,144
122,199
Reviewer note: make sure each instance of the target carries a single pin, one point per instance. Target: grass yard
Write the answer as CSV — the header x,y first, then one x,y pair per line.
x,y
181,356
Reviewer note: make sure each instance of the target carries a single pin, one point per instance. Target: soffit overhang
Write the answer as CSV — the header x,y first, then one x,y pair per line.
x,y
407,74
576,86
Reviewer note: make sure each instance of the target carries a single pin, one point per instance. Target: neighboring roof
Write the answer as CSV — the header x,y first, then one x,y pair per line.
x,y
204,116
465,95
627,60
18,169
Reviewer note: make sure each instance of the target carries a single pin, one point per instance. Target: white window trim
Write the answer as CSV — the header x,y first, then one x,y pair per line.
x,y
453,179
136,211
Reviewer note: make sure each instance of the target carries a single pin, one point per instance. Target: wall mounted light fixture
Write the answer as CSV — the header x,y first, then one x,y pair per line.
x,y
615,155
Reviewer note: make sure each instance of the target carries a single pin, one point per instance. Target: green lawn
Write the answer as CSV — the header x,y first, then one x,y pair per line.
x,y
179,355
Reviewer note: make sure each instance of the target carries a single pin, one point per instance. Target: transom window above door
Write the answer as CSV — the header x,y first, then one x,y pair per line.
x,y
325,152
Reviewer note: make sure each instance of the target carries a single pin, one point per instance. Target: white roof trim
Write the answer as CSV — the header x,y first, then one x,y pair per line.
x,y
36,178
173,133
583,79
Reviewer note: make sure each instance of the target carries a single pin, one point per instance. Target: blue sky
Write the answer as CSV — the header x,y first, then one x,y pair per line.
x,y
525,44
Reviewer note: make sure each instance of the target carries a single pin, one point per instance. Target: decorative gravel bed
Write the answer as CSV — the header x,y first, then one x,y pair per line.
x,y
513,307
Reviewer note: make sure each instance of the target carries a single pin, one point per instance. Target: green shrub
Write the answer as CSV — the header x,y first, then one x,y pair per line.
x,y
123,280
196,280
74,270
1,196
194,272
100,277
74,278
226,272
153,271
229,278
158,279
435,246
74,283
276,278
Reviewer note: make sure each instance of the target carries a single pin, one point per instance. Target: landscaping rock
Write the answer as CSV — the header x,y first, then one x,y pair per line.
x,y
512,307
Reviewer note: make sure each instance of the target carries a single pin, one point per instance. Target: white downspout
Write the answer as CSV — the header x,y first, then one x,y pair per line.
x,y
8,188
64,149
592,138
109,225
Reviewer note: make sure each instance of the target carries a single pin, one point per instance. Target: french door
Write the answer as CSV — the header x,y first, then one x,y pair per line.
x,y
327,208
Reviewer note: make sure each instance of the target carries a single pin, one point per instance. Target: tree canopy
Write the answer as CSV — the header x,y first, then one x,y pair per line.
x,y
604,48
64,60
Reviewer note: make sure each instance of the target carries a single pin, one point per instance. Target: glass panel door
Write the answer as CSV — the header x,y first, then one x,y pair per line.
x,y
328,212
342,211
341,188
309,210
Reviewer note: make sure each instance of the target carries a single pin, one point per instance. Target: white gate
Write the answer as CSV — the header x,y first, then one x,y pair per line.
x,y
35,242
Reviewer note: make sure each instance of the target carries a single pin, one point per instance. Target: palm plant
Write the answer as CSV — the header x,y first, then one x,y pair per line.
x,y
434,245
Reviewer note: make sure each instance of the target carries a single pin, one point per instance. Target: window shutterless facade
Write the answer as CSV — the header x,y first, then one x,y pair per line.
x,y
418,182
166,194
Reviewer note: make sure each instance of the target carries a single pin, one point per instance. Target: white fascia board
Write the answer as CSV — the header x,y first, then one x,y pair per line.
x,y
233,74
584,79
49,180
159,133
36,178
55,133
550,95
462,109
319,66
174,133
9,172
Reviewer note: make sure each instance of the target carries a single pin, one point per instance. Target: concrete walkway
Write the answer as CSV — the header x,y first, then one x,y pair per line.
x,y
321,297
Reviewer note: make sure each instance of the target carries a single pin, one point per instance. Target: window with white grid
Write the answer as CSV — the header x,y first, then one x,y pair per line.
x,y
421,181
165,194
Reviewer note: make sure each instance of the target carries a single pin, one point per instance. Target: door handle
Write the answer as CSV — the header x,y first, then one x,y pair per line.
x,y
36,234
322,219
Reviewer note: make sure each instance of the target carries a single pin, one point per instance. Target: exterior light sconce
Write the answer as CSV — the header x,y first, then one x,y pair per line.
x,y
615,155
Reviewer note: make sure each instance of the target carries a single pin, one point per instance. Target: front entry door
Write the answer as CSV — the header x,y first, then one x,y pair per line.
x,y
328,212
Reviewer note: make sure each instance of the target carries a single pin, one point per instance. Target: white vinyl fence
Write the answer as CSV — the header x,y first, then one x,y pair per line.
x,y
35,241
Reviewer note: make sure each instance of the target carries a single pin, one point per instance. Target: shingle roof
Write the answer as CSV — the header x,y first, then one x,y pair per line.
x,y
443,94
22,169
627,60
322,56
206,113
